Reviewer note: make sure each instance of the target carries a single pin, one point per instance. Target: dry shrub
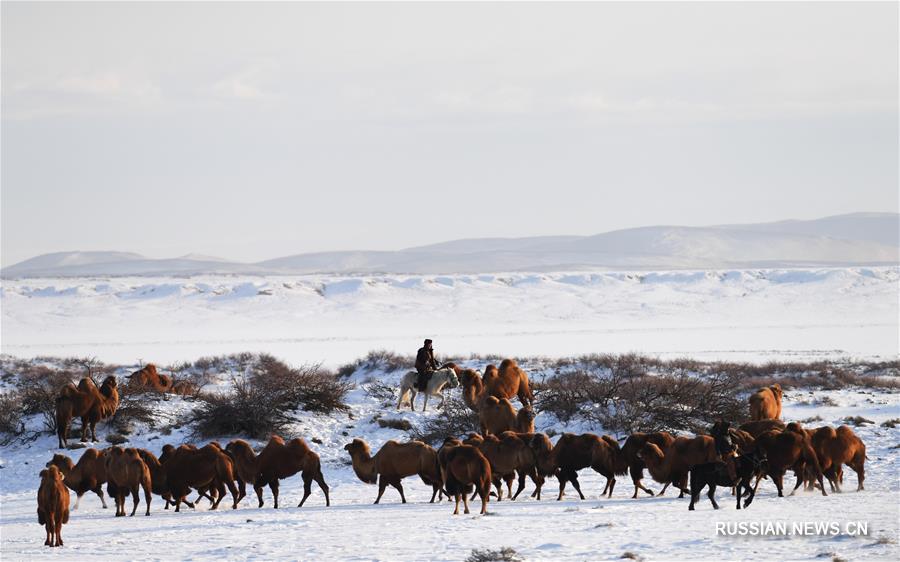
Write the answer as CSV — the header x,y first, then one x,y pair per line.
x,y
379,360
401,424
384,393
134,408
11,416
39,387
505,554
265,399
453,419
625,400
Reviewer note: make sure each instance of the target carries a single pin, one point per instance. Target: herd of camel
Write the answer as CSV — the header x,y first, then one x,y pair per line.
x,y
507,449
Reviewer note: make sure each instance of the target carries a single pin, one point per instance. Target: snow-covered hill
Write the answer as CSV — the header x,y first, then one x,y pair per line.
x,y
845,240
757,314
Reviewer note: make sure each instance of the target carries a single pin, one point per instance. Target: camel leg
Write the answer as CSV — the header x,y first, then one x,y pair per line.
x,y
382,484
425,403
519,486
434,492
273,485
779,483
456,511
99,491
147,496
712,496
59,541
259,489
399,487
611,482
509,481
577,485
242,489
465,504
135,500
663,491
94,432
484,501
307,487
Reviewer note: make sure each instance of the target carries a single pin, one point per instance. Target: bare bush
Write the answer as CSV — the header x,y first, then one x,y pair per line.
x,y
11,416
624,399
134,408
382,392
263,401
454,419
395,423
379,360
40,386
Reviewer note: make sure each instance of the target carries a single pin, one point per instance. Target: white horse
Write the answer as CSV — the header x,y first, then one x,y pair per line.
x,y
440,379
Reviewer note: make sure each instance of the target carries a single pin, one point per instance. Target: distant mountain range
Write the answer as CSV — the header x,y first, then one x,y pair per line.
x,y
843,240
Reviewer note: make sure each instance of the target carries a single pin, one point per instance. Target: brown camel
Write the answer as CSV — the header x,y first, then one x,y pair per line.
x,y
277,461
785,450
636,466
672,465
394,462
497,415
463,466
757,428
575,452
510,457
837,447
765,403
88,475
53,505
88,403
202,469
127,472
149,378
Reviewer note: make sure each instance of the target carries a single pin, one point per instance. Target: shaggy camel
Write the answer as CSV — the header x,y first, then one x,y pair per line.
x,y
439,381
525,420
277,461
837,447
765,403
506,382
673,465
394,462
636,466
757,428
127,472
509,456
189,467
575,452
88,403
462,466
497,416
150,379
88,475
784,450
53,505
542,449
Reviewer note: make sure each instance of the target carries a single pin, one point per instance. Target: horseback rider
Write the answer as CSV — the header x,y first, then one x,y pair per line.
x,y
425,365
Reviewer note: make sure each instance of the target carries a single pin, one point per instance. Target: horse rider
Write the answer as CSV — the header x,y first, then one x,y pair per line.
x,y
425,365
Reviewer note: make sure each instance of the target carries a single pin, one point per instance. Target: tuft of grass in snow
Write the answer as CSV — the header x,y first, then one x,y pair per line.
x,y
892,423
857,420
884,540
402,425
813,419
505,554
632,556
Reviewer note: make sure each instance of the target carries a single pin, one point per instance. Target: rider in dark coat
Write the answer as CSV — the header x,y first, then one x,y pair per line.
x,y
425,364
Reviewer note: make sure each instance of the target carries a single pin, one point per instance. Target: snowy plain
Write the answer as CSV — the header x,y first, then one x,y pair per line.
x,y
756,315
746,315
658,528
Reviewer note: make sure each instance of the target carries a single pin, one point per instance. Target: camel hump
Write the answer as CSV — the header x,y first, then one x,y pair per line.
x,y
86,385
275,440
492,401
507,364
68,391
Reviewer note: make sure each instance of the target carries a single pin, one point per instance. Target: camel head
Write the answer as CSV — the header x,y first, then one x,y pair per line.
x,y
62,462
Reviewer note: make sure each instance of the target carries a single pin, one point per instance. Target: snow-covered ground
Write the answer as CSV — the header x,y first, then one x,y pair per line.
x,y
352,528
754,315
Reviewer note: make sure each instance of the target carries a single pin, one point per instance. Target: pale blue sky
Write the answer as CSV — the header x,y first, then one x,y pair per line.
x,y
251,131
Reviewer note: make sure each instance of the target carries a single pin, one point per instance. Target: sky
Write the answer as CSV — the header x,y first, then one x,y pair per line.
x,y
256,130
